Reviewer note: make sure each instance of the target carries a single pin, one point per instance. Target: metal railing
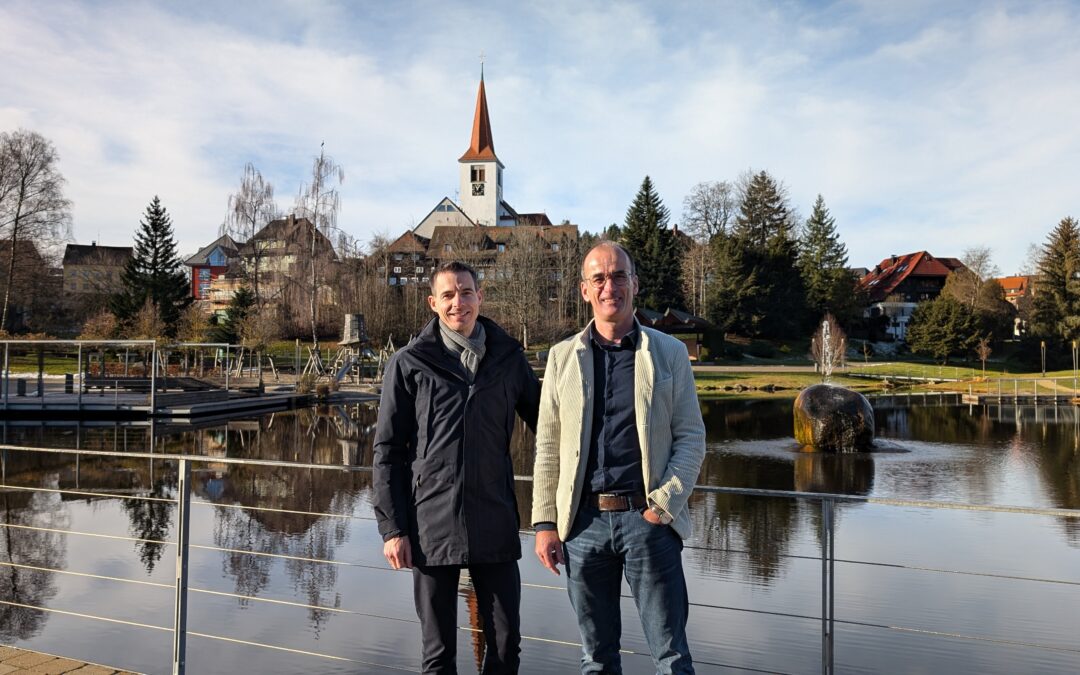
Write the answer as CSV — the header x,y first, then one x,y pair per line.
x,y
182,543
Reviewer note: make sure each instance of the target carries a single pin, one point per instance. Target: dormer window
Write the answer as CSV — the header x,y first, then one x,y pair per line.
x,y
217,258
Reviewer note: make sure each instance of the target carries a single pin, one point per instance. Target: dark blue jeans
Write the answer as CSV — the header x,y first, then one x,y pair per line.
x,y
601,547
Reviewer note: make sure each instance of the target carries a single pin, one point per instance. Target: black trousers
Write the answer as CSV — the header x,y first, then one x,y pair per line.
x,y
498,599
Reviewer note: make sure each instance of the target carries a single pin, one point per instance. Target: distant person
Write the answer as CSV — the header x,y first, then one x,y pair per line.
x,y
443,476
619,444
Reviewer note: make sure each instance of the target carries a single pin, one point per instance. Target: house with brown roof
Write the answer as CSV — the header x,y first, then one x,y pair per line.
x,y
898,284
94,269
1017,287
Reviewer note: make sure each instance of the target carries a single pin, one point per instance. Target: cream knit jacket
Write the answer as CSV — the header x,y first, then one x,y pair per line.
x,y
670,430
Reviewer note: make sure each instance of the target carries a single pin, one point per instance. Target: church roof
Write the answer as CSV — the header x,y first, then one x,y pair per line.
x,y
481,147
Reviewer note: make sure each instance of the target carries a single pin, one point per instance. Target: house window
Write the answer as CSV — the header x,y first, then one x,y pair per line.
x,y
555,248
204,274
480,274
447,248
393,281
419,270
397,270
477,174
397,256
426,279
217,258
502,248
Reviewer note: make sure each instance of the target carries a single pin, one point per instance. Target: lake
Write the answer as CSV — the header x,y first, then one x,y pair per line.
x,y
917,590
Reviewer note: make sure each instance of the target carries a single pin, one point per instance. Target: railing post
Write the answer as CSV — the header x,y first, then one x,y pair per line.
x,y
227,369
80,376
7,372
828,557
183,504
153,378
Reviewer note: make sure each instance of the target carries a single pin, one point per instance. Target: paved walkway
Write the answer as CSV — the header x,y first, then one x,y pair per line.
x,y
22,662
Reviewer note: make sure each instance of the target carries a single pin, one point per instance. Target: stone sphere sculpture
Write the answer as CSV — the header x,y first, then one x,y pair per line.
x,y
833,419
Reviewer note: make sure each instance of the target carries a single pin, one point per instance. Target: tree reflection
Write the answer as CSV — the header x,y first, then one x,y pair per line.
x,y
290,500
150,521
29,547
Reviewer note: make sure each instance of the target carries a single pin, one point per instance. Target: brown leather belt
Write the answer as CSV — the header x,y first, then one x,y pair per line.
x,y
606,502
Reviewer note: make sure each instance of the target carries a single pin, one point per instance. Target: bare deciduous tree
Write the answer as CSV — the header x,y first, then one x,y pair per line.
x,y
982,350
320,202
32,203
250,209
147,323
101,326
708,209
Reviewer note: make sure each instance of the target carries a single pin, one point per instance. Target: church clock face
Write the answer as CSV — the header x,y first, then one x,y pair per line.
x,y
478,189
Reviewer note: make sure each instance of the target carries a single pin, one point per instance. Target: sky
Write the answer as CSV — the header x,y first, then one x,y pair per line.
x,y
925,125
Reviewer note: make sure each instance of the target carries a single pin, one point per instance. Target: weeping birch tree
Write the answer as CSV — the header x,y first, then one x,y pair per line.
x,y
320,202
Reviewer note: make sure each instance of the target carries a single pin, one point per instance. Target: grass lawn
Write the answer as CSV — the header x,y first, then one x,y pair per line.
x,y
773,384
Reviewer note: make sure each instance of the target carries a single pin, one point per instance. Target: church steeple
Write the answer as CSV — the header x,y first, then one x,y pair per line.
x,y
481,147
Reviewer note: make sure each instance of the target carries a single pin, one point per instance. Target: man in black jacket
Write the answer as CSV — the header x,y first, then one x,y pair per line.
x,y
443,476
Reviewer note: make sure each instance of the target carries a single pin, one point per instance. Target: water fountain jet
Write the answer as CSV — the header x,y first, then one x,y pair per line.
x,y
828,417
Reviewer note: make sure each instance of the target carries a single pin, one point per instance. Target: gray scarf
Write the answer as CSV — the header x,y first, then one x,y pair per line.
x,y
471,349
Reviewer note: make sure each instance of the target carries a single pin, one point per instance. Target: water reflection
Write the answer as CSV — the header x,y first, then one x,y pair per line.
x,y
748,551
38,548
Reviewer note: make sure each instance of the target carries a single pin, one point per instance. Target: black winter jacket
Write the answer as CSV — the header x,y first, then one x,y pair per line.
x,y
442,468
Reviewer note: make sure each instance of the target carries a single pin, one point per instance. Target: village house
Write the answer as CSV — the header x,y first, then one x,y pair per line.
x,y
93,269
899,283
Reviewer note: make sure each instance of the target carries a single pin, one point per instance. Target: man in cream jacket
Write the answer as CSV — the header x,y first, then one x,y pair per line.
x,y
619,443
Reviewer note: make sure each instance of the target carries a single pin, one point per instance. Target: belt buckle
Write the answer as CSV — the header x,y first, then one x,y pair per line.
x,y
604,502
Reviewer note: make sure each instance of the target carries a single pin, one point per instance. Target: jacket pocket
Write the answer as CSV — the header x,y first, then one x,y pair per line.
x,y
424,415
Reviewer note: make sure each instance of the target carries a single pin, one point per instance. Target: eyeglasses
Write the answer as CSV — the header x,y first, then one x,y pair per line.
x,y
618,278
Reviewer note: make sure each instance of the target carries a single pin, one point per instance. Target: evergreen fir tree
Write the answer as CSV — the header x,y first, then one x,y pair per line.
x,y
655,250
942,327
154,272
823,259
758,283
227,328
1056,313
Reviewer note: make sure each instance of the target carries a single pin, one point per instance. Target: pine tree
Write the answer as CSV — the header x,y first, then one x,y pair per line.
x,y
758,284
655,250
942,327
823,259
154,272
1057,290
227,328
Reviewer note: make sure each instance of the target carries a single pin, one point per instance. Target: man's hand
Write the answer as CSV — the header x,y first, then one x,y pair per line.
x,y
650,516
549,549
398,552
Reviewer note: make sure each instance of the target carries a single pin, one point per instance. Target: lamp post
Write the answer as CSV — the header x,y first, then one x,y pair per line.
x,y
1042,350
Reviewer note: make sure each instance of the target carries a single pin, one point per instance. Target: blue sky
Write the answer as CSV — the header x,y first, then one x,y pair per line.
x,y
925,125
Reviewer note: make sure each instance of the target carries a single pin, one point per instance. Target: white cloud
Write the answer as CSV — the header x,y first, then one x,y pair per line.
x,y
923,127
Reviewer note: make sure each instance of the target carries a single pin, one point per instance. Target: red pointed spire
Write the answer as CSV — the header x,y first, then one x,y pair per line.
x,y
482,147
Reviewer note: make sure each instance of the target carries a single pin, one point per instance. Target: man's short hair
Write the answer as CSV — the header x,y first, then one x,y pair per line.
x,y
609,243
454,267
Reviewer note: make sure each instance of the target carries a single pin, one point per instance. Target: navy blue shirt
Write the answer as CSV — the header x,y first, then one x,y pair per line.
x,y
614,463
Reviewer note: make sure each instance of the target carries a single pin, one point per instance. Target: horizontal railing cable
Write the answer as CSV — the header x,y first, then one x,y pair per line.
x,y
86,493
73,573
82,615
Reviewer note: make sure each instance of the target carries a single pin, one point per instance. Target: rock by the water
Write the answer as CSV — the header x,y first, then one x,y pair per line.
x,y
834,419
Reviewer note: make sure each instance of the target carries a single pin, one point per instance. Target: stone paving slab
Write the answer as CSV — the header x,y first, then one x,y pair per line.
x,y
15,661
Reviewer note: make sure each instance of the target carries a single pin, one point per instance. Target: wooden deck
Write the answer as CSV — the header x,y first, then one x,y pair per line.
x,y
15,661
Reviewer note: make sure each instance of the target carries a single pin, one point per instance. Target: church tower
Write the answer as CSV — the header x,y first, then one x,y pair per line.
x,y
481,193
